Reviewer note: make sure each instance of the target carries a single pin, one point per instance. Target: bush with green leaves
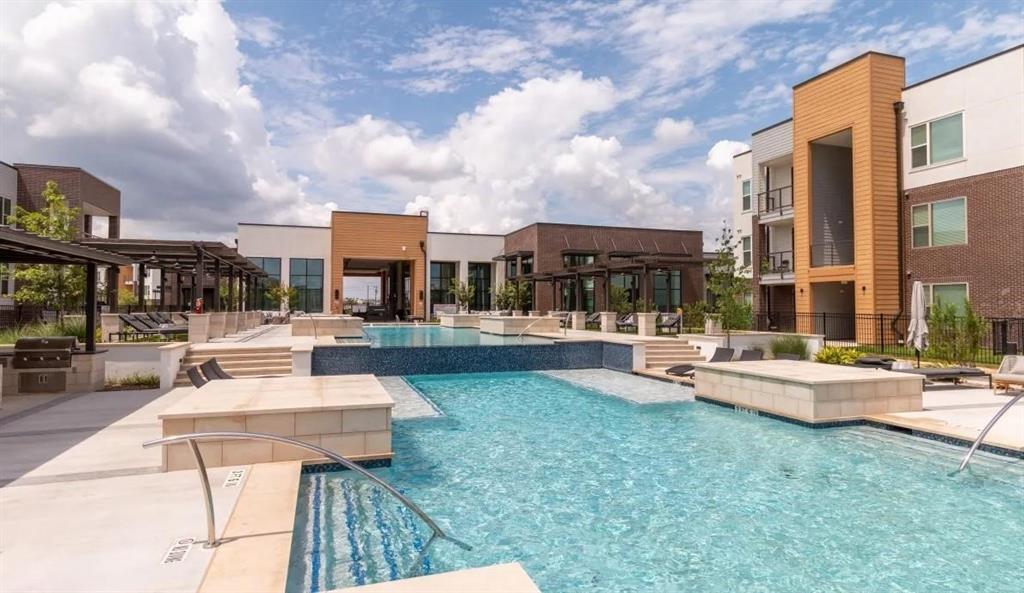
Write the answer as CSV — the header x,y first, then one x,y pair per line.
x,y
135,381
694,315
837,355
619,297
953,335
789,345
71,326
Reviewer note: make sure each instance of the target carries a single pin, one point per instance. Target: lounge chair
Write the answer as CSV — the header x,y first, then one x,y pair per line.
x,y
593,320
786,356
159,318
143,329
875,362
626,323
196,378
668,321
1010,372
686,370
751,355
145,319
211,368
956,374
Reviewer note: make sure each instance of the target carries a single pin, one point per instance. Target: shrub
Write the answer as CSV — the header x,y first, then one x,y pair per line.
x,y
789,345
134,381
72,326
837,355
953,336
694,314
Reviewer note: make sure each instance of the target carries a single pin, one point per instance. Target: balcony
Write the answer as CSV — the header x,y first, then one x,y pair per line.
x,y
777,268
832,253
775,204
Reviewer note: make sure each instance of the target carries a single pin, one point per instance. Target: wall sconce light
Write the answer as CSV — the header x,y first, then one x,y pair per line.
x,y
863,289
801,291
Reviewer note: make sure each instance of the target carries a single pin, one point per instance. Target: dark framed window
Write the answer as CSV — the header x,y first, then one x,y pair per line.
x,y
510,268
527,267
480,279
5,209
441,275
668,291
306,276
272,266
630,283
572,260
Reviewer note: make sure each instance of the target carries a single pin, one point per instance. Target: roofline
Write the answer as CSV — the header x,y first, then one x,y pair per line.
x,y
294,226
774,125
601,226
738,154
333,212
8,165
845,64
464,234
965,66
68,168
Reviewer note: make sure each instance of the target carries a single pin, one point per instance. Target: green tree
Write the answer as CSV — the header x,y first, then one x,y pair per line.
x,y
954,334
48,285
619,298
126,297
282,293
512,295
463,293
728,286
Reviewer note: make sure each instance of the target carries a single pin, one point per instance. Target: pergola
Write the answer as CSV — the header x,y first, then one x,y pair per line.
x,y
20,247
195,259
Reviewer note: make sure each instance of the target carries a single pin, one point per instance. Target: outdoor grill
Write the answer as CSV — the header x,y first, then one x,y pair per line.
x,y
35,357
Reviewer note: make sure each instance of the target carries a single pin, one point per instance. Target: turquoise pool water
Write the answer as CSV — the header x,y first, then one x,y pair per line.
x,y
433,335
594,494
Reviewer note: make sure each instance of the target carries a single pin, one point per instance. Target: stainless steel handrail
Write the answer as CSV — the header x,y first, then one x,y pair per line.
x,y
565,325
988,427
211,532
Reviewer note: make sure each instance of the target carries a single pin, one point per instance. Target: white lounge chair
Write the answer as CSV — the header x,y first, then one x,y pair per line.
x,y
1011,372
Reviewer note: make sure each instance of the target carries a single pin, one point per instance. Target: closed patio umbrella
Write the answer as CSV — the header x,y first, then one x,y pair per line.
x,y
917,331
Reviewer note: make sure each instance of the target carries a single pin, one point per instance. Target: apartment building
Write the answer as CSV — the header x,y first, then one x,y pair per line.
x,y
743,215
872,185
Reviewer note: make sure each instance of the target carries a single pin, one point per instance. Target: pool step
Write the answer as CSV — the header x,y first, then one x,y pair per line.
x,y
239,361
659,356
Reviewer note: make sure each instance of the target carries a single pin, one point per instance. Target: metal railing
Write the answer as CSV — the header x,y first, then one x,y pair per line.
x,y
832,253
777,262
775,201
565,325
211,530
984,432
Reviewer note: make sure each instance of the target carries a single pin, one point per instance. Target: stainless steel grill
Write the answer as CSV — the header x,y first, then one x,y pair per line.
x,y
43,353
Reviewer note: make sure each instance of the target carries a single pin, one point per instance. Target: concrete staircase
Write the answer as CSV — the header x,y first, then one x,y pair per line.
x,y
662,355
239,362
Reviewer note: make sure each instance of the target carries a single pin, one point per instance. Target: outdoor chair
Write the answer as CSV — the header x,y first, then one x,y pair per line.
x,y
956,374
746,355
145,330
196,378
626,323
160,318
1010,372
787,356
668,321
213,371
875,362
686,370
593,321
146,320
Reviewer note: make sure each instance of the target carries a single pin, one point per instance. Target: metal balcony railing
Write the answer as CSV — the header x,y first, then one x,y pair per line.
x,y
775,201
832,253
777,262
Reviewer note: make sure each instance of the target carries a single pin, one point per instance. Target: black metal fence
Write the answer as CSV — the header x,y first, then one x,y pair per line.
x,y
886,334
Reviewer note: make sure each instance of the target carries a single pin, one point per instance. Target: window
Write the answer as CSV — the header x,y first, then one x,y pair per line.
x,y
272,266
627,282
527,265
937,141
746,195
571,260
510,268
441,275
955,294
480,279
5,210
747,254
668,291
938,224
306,276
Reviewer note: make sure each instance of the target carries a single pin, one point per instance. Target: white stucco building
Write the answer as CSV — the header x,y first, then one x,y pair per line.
x,y
468,258
299,256
744,207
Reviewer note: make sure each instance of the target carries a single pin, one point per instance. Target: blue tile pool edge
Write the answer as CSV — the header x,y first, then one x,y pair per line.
x,y
958,442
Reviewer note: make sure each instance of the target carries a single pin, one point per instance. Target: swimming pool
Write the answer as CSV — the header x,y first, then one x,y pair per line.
x,y
591,493
405,336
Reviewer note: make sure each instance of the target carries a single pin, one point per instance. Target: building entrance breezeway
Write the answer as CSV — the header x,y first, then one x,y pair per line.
x,y
391,280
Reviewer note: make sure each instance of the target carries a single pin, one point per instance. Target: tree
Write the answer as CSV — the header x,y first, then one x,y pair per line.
x,y
619,298
282,293
728,286
126,297
48,285
463,293
512,295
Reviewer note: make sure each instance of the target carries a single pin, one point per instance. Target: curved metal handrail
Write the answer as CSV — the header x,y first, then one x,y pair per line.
x,y
988,427
211,532
565,326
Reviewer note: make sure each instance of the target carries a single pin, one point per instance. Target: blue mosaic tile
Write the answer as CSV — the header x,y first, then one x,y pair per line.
x,y
319,468
618,357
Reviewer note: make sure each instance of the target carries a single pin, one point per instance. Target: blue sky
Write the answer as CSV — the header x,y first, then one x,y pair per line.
x,y
488,114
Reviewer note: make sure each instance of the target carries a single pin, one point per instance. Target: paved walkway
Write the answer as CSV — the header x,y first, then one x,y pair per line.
x,y
628,387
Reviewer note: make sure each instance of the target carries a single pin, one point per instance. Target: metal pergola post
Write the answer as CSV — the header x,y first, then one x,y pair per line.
x,y
216,285
90,307
231,289
140,286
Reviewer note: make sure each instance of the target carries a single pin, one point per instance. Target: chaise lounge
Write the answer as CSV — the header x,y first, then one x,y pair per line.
x,y
1010,372
686,370
668,321
626,323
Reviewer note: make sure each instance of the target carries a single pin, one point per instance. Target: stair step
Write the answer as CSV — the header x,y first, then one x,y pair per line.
x,y
239,356
657,358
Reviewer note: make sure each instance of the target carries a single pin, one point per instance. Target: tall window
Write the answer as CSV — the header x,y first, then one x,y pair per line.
x,y
629,282
941,223
480,279
510,268
527,267
746,195
668,290
272,266
937,141
747,253
571,260
5,210
950,294
441,275
306,276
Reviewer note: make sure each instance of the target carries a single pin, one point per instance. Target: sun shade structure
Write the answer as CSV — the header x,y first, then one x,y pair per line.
x,y
197,259
20,247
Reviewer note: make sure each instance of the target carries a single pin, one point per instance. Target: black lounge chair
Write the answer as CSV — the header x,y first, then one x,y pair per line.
x,y
196,378
593,320
747,355
668,321
626,323
146,320
956,374
213,371
787,356
875,362
160,318
686,370
143,329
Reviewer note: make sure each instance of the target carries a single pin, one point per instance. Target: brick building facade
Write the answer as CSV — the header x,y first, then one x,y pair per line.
x,y
95,197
